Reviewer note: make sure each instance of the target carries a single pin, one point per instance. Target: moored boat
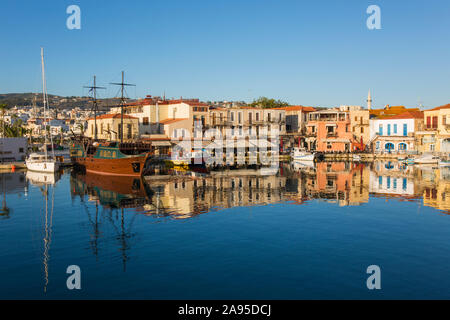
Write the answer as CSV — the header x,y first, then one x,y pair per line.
x,y
110,158
427,159
300,155
124,158
43,162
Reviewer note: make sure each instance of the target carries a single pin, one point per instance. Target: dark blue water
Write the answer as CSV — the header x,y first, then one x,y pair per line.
x,y
190,246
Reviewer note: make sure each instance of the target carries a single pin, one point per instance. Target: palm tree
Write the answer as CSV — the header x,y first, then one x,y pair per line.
x,y
3,108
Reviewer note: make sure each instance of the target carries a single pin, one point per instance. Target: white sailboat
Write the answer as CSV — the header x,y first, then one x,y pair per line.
x,y
42,162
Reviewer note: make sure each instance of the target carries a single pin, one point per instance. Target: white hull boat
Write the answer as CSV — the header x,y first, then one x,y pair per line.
x,y
41,163
299,155
41,178
427,160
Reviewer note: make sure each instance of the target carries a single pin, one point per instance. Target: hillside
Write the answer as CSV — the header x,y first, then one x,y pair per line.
x,y
60,102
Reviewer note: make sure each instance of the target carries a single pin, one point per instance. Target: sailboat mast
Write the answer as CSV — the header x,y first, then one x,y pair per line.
x,y
44,102
121,110
95,109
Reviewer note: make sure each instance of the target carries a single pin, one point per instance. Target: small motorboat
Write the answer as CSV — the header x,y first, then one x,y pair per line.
x,y
300,155
444,163
427,159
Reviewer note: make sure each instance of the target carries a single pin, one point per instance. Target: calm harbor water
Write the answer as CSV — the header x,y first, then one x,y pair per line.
x,y
304,233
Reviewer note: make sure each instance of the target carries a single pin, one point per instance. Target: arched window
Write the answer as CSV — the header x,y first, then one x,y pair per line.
x,y
402,146
389,146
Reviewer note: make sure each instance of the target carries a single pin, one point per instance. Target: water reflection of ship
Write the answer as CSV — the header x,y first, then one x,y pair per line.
x,y
112,191
114,194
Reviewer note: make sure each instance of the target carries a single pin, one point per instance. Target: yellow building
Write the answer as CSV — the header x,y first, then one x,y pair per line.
x,y
108,127
436,134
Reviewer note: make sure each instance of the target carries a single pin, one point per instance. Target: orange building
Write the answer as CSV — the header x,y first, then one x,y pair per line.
x,y
330,131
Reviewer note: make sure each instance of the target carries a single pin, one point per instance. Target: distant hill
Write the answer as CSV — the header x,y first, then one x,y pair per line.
x,y
60,102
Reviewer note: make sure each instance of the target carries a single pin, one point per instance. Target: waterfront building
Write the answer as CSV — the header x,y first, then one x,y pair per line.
x,y
108,127
13,149
330,131
395,134
359,123
296,119
435,136
160,116
250,121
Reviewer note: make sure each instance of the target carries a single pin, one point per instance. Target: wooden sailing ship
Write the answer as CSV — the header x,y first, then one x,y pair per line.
x,y
109,157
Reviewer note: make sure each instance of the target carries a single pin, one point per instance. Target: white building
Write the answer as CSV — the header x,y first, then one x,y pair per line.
x,y
13,149
395,133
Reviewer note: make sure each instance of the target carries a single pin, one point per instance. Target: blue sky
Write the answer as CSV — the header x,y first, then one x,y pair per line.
x,y
316,53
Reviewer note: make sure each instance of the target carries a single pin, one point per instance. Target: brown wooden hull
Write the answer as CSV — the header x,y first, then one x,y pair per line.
x,y
129,166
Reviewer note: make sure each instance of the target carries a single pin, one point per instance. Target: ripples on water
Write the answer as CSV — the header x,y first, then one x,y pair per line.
x,y
299,232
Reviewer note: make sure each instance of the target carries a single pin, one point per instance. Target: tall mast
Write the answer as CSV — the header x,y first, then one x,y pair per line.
x,y
95,105
122,103
44,102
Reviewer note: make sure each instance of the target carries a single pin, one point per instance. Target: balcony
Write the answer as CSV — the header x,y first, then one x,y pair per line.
x,y
221,122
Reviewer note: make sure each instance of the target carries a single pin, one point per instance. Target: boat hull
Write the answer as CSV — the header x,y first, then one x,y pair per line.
x,y
128,166
46,166
308,157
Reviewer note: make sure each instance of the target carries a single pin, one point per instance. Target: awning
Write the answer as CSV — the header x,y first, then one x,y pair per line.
x,y
161,143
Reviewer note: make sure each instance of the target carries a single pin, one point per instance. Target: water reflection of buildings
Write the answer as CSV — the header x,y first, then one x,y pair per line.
x,y
343,182
183,196
436,188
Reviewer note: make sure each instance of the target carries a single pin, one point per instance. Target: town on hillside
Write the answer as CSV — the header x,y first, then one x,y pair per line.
x,y
389,131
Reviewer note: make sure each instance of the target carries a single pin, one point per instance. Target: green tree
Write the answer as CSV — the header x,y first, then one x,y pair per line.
x,y
264,102
3,108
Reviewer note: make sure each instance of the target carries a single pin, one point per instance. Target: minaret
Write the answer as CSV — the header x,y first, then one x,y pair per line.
x,y
369,101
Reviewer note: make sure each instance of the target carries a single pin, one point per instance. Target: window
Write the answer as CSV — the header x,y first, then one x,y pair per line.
x,y
388,129
444,120
362,129
329,145
20,150
395,128
380,181
435,122
378,145
380,131
250,117
240,117
402,146
145,121
405,129
428,122
232,116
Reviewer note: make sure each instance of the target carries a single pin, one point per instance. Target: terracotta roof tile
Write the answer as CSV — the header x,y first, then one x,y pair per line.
x,y
112,116
169,121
